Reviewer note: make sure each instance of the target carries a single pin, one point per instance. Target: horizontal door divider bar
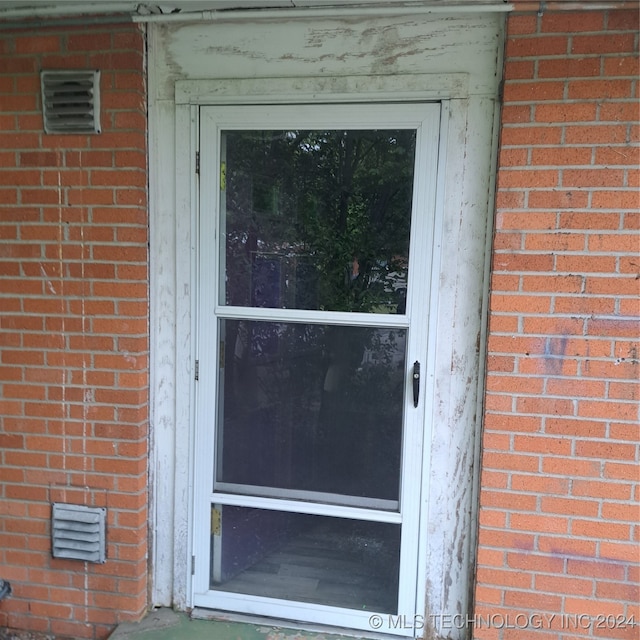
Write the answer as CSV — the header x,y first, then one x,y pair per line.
x,y
310,508
355,319
308,496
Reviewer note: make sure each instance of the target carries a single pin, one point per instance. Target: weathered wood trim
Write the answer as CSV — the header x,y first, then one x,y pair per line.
x,y
452,59
312,90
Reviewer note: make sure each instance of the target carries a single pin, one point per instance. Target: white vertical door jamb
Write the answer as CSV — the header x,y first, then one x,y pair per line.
x,y
432,333
185,230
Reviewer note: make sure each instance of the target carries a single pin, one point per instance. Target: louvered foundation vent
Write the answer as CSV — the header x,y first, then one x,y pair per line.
x,y
78,532
71,101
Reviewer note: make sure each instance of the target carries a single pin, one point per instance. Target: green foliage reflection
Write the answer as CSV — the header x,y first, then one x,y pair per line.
x,y
318,219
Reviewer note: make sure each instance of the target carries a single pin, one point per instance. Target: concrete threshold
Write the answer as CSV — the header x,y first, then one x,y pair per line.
x,y
166,624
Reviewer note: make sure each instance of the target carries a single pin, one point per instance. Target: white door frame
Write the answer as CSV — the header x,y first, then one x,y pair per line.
x,y
190,95
425,118
466,142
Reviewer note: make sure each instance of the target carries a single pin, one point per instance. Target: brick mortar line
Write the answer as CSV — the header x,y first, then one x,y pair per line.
x,y
574,439
584,274
81,472
556,396
604,78
559,377
561,57
82,226
632,146
570,520
565,315
563,210
602,32
107,244
105,149
562,536
77,489
572,417
76,279
90,262
563,188
543,376
621,381
561,231
600,478
559,594
540,511
89,226
46,386
562,295
544,555
139,441
599,559
518,394
567,103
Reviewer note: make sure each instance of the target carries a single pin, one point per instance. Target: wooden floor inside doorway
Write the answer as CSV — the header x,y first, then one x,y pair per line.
x,y
319,567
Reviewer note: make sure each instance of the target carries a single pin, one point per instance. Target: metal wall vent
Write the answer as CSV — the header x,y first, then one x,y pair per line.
x,y
71,101
78,532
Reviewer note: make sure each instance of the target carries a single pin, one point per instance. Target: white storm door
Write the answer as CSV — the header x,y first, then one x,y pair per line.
x,y
314,244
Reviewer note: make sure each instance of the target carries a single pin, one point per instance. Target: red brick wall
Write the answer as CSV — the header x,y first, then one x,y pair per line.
x,y
73,331
559,498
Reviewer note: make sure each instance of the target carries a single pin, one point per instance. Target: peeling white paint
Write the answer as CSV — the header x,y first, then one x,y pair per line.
x,y
322,55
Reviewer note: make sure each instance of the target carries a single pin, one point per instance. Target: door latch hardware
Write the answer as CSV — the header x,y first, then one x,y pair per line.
x,y
416,383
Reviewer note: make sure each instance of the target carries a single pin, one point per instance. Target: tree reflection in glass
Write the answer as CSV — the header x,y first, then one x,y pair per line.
x,y
317,219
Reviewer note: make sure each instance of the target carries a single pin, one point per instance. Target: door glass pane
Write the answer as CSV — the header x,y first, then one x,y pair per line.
x,y
316,219
311,407
330,561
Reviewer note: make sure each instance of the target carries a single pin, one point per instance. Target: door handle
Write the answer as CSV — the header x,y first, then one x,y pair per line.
x,y
416,383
